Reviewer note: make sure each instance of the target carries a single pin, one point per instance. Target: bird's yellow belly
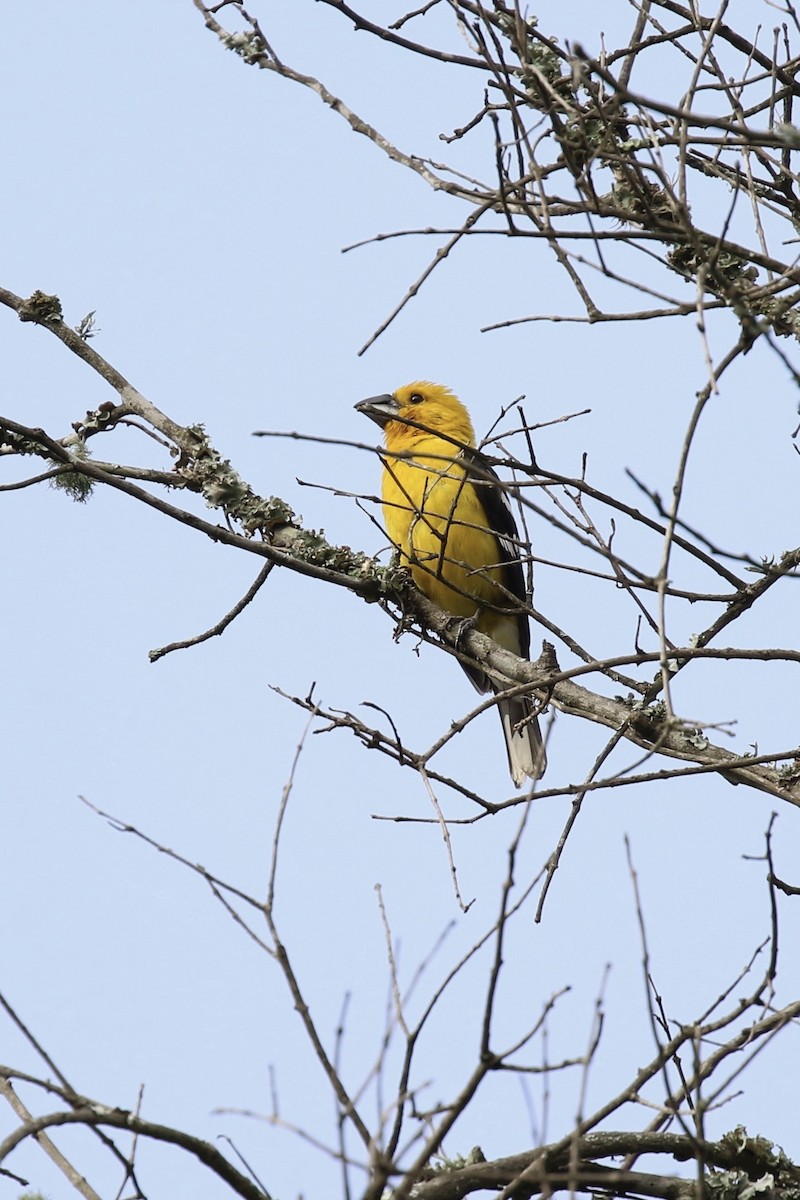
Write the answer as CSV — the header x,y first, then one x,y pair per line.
x,y
440,530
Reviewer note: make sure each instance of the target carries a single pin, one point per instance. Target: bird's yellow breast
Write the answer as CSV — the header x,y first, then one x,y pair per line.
x,y
433,514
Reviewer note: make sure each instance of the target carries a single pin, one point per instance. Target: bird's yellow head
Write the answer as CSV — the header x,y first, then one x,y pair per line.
x,y
428,404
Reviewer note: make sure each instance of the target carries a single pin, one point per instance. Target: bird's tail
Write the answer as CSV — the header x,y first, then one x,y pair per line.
x,y
524,745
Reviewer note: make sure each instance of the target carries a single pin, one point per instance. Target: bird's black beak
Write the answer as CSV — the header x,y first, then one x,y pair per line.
x,y
380,409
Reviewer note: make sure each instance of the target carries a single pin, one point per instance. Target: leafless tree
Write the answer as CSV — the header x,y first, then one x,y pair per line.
x,y
610,172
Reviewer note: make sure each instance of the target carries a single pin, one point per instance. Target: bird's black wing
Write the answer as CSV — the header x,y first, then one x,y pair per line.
x,y
500,519
524,745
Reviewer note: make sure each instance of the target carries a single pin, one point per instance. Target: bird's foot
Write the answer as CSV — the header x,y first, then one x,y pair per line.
x,y
462,626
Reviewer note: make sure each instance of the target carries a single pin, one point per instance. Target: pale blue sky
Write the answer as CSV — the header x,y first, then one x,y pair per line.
x,y
200,207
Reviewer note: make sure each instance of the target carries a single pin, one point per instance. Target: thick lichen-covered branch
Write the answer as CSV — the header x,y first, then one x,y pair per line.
x,y
734,1168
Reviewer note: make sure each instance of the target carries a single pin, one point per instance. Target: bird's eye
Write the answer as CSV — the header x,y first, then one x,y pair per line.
x,y
416,398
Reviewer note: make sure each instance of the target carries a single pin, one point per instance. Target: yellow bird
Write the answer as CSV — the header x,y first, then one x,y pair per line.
x,y
447,513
